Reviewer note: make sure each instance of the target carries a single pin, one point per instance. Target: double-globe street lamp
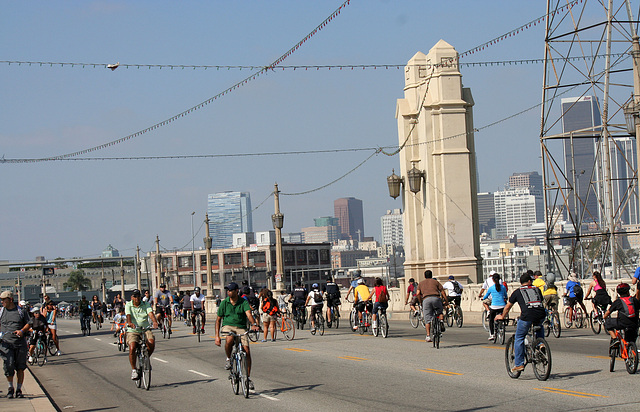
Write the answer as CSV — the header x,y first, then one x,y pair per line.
x,y
415,177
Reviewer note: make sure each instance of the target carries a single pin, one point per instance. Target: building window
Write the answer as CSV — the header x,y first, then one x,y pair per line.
x,y
288,256
325,256
313,257
258,257
203,260
185,262
186,279
233,259
301,257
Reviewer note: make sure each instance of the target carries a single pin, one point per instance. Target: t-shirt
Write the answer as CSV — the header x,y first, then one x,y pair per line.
x,y
539,283
570,285
382,294
529,299
299,293
637,273
10,322
624,321
196,301
120,318
361,293
332,290
312,296
448,285
498,297
411,289
234,315
38,324
186,302
164,298
139,315
430,287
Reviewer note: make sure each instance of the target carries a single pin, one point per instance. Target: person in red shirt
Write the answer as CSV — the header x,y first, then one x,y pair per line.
x,y
382,299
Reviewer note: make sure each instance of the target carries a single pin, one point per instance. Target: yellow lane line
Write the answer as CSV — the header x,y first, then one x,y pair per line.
x,y
439,372
603,357
298,349
352,358
415,340
570,393
494,347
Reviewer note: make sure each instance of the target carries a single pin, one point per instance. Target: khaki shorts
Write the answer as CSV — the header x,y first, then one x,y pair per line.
x,y
137,336
266,318
238,331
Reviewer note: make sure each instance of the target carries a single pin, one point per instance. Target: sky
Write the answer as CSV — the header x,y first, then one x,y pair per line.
x,y
77,208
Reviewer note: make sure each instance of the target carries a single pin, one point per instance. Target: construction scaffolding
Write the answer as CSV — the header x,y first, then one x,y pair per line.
x,y
590,102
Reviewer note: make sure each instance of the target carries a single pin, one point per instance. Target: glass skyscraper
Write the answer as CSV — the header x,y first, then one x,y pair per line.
x,y
229,213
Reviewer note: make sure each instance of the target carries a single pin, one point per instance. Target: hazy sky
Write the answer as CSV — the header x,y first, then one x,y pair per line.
x,y
77,208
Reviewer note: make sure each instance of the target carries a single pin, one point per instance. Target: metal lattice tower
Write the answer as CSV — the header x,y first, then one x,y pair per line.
x,y
589,155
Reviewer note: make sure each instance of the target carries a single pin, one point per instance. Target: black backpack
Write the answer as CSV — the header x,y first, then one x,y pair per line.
x,y
577,290
317,297
456,287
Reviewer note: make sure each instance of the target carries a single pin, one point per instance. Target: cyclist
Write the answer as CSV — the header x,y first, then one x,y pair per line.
x,y
636,276
84,308
627,307
382,300
96,309
332,294
233,314
197,309
411,293
498,295
361,300
186,306
147,296
269,307
432,294
119,319
163,301
354,282
38,326
454,290
317,302
599,286
51,313
138,314
550,292
532,312
298,296
118,303
575,294
488,282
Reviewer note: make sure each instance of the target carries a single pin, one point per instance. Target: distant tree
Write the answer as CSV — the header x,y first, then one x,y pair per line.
x,y
77,281
60,263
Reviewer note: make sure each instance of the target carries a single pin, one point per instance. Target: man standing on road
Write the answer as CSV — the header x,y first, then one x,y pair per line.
x,y
432,294
138,314
14,324
163,301
529,299
233,313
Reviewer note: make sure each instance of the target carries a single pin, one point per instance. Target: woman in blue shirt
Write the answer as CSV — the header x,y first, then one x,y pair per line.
x,y
498,295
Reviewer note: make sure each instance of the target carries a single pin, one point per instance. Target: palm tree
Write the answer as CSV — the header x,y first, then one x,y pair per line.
x,y
77,281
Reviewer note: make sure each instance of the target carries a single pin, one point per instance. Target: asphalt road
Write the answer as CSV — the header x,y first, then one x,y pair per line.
x,y
340,371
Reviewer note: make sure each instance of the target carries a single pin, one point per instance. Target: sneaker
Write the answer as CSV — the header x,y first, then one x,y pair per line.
x,y
134,375
517,368
427,339
273,340
19,394
10,393
170,332
30,359
227,364
194,331
263,340
313,330
251,384
202,331
490,337
614,343
58,353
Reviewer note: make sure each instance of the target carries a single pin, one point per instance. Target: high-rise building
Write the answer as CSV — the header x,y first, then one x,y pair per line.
x,y
531,180
486,212
326,221
229,213
349,211
579,152
516,208
623,167
320,234
392,229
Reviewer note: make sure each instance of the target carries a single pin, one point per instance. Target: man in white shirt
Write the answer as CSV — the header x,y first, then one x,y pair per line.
x,y
197,308
451,285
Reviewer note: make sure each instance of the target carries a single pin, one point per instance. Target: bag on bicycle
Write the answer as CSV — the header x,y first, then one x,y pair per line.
x,y
317,297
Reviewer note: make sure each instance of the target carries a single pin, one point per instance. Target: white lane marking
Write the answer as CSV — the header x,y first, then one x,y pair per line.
x,y
271,398
161,360
199,373
585,338
97,339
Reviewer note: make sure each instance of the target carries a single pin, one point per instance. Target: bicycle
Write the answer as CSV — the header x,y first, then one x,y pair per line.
x,y
454,313
416,317
300,316
86,327
254,334
50,344
319,322
143,364
238,374
573,315
626,350
96,319
485,319
536,351
382,327
198,325
286,326
499,330
122,337
364,323
437,328
335,316
39,356
552,323
596,319
163,324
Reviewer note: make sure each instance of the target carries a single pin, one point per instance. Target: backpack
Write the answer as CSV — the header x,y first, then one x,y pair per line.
x,y
317,297
629,310
456,287
577,290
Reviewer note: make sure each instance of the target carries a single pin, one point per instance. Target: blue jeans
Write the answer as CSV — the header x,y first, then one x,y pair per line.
x,y
521,331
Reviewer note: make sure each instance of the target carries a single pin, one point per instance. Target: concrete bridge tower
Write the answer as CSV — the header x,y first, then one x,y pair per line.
x,y
435,131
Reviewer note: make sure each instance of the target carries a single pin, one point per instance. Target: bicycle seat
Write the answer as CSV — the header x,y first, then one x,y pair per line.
x,y
536,328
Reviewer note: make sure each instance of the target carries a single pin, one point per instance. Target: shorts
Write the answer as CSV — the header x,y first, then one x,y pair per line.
x,y
361,305
333,301
602,299
15,358
455,299
487,301
52,326
379,305
135,337
244,339
551,301
574,300
266,318
630,334
431,307
162,310
315,309
414,301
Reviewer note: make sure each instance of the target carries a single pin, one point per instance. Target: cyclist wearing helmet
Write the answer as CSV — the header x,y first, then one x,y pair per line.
x,y
361,299
317,302
627,320
298,297
411,293
197,308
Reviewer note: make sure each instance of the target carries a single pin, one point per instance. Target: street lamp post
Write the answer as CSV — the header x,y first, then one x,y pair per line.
x,y
278,222
207,244
193,250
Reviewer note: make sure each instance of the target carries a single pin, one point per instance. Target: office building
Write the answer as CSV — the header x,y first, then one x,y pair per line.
x,y
516,208
320,234
623,166
531,180
229,213
350,214
486,212
392,229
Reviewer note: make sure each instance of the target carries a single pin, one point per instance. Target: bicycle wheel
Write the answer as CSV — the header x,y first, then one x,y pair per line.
x,y
288,329
632,358
234,375
459,317
501,333
253,335
88,328
320,324
613,353
41,354
546,325
567,318
555,324
510,358
138,381
352,319
414,318
243,375
146,371
165,332
375,329
51,347
541,359
435,332
579,318
485,321
198,328
361,327
593,321
336,317
313,330
383,325
449,317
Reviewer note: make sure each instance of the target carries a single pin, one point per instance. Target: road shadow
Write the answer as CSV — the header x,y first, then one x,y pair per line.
x,y
106,408
184,383
278,391
572,375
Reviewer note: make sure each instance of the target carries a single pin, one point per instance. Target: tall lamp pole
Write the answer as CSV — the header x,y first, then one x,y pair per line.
x,y
278,222
193,251
207,244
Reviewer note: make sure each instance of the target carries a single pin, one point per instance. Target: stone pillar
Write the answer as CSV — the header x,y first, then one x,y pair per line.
x,y
435,131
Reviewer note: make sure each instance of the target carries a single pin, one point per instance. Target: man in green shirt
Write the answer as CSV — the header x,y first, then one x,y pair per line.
x,y
233,313
138,314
